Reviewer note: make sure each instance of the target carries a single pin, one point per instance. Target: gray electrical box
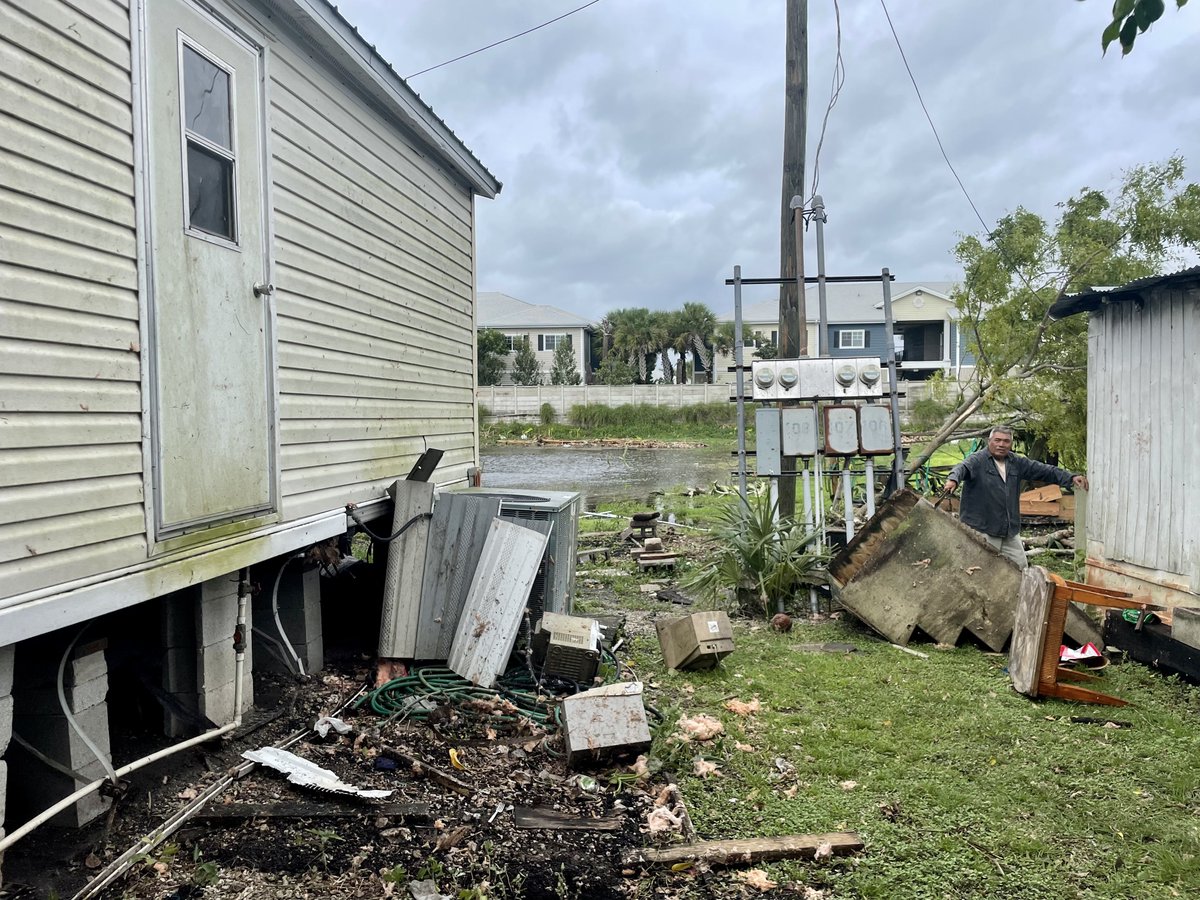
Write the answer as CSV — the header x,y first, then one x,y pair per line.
x,y
799,431
767,451
841,431
875,430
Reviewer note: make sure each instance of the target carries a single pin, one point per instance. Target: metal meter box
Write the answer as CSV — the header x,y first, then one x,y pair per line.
x,y
857,376
698,641
605,721
816,377
799,431
567,646
841,430
768,460
762,380
875,430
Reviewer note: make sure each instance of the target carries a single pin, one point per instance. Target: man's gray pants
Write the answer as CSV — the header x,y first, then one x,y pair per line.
x,y
1010,547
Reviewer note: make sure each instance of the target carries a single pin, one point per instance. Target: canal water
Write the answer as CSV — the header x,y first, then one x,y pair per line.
x,y
603,475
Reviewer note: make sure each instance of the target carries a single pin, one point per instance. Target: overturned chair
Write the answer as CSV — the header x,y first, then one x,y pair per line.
x,y
1042,606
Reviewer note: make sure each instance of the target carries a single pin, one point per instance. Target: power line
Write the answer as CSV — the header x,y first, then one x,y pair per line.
x,y
505,40
929,119
839,80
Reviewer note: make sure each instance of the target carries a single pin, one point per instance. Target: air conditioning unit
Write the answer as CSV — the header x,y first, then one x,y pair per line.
x,y
567,647
555,514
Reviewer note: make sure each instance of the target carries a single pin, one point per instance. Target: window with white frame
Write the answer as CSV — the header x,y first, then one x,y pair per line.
x,y
851,339
551,342
513,340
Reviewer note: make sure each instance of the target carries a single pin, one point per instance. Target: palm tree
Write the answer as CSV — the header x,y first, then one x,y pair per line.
x,y
638,335
692,332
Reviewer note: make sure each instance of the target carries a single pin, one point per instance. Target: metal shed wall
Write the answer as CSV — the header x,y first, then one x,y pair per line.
x,y
374,250
70,397
1144,444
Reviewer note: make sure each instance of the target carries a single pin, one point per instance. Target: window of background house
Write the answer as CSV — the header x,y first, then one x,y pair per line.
x,y
513,339
852,339
550,342
210,163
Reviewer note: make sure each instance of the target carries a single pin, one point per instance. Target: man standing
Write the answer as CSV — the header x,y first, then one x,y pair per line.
x,y
991,497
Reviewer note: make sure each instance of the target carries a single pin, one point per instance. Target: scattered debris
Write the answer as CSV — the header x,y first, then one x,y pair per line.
x,y
757,879
445,779
828,647
910,651
307,774
673,595
227,812
325,723
701,727
743,707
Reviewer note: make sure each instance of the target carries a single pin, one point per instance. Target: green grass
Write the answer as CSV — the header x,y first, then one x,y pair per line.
x,y
964,787
703,422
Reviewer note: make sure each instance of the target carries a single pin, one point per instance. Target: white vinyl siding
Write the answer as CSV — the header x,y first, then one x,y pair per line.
x,y
71,501
373,248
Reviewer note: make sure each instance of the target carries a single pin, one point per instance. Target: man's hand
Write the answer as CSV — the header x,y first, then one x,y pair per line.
x,y
1080,481
951,485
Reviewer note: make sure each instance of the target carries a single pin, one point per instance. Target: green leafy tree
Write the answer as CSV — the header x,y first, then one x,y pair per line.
x,y
525,366
565,369
766,348
615,370
1131,18
491,355
1030,370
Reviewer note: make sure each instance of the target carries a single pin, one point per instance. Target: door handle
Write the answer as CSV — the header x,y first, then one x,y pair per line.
x,y
263,289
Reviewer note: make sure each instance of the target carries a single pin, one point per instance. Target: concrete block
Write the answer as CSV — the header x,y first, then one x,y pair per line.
x,y
216,612
1185,626
54,736
179,618
6,724
79,696
7,656
217,702
86,668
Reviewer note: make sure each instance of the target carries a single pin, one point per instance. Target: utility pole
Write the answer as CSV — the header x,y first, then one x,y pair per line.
x,y
791,230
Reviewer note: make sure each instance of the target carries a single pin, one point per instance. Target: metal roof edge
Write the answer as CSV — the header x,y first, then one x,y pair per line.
x,y
320,20
1092,300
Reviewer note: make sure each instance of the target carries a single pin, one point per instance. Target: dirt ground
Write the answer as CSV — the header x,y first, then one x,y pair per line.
x,y
262,837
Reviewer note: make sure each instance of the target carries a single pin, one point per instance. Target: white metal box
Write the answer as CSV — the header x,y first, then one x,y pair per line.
x,y
604,721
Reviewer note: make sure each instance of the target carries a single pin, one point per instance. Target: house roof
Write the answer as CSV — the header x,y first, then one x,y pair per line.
x,y
496,310
1139,290
338,43
845,301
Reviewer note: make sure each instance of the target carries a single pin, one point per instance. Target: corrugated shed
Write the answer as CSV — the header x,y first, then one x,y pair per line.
x,y
373,245
70,423
1144,435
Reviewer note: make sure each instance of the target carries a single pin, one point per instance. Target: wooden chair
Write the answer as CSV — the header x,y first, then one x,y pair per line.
x,y
1042,606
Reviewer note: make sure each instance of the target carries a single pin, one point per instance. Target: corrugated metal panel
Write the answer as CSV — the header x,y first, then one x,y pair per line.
x,y
456,536
1143,436
492,614
405,569
71,495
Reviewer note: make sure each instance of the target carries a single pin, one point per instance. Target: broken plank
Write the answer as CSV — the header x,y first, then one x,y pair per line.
x,y
303,810
750,851
830,647
445,779
672,595
542,817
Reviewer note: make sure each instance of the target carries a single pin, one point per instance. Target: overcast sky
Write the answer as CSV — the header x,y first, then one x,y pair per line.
x,y
640,141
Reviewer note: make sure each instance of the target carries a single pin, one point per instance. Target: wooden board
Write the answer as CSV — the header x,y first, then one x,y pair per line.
x,y
543,817
308,810
1029,630
750,851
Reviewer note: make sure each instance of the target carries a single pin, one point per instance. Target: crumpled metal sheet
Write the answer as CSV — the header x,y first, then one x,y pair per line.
x,y
307,774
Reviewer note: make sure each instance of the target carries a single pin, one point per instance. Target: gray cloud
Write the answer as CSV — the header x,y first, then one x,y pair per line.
x,y
640,143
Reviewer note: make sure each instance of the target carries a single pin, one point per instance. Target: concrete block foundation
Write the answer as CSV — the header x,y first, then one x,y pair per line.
x,y
299,604
1185,626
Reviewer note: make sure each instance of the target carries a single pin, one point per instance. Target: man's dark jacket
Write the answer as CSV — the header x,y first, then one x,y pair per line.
x,y
992,504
